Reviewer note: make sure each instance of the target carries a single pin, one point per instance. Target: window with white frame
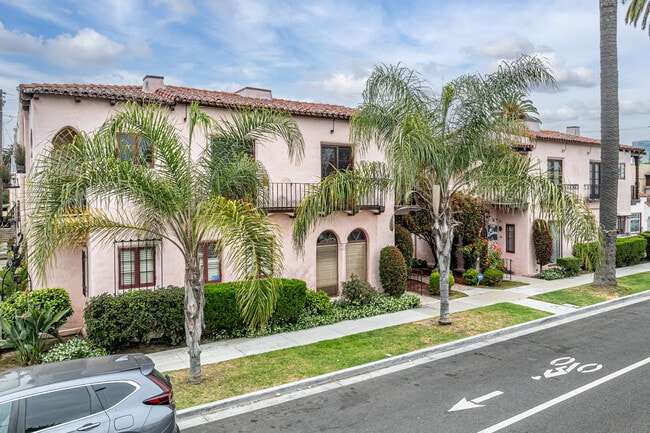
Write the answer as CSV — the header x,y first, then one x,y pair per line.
x,y
635,223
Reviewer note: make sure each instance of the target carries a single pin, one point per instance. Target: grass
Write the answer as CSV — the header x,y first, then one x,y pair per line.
x,y
252,373
588,294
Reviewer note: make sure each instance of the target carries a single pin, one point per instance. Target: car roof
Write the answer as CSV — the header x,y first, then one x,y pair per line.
x,y
24,378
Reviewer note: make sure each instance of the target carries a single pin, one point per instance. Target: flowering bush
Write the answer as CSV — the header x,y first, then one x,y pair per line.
x,y
492,259
474,251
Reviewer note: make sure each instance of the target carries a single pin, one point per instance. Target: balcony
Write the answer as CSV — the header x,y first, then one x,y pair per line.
x,y
592,191
286,197
573,188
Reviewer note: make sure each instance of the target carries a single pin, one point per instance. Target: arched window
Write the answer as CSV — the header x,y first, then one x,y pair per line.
x,y
327,270
64,137
356,258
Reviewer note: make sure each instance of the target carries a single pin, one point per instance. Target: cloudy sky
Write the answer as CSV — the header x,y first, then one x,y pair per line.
x,y
321,50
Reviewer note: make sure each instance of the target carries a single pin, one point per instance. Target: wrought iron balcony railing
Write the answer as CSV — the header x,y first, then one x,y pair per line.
x,y
286,197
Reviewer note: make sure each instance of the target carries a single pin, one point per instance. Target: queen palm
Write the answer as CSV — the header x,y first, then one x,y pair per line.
x,y
188,193
634,12
436,145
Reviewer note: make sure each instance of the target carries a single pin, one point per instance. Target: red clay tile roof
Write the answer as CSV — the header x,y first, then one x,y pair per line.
x,y
172,95
546,135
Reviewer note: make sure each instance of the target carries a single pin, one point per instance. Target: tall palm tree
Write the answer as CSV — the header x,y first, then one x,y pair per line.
x,y
180,195
634,11
437,145
605,274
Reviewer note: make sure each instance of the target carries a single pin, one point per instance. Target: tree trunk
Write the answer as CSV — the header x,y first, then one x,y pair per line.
x,y
606,273
194,302
444,235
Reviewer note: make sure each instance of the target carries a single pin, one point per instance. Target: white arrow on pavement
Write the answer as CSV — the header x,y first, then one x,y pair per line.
x,y
474,403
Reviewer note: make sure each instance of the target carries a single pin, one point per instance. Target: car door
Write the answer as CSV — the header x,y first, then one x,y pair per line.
x,y
63,411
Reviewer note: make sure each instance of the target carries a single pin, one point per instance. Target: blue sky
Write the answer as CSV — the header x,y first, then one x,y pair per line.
x,y
321,50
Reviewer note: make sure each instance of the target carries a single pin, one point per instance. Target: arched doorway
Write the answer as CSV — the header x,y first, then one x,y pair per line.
x,y
356,259
327,270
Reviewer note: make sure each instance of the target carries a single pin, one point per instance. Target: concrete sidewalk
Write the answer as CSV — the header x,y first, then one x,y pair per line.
x,y
223,350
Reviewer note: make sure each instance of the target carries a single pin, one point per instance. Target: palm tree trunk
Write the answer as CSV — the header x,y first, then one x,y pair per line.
x,y
606,273
444,235
194,302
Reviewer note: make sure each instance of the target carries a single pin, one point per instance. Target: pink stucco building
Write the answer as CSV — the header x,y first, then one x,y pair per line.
x,y
348,242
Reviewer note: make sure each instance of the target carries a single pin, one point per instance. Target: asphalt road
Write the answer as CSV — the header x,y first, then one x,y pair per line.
x,y
590,375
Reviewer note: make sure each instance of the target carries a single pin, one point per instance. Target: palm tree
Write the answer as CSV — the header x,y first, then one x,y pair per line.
x,y
435,146
634,12
605,274
180,195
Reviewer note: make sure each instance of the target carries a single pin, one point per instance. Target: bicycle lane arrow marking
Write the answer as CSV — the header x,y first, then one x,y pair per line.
x,y
472,404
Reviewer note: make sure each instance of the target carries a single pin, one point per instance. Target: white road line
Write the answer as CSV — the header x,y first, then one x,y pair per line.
x,y
563,397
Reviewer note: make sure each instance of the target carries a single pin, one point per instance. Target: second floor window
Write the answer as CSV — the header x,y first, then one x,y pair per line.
x,y
335,157
594,180
621,170
135,148
554,169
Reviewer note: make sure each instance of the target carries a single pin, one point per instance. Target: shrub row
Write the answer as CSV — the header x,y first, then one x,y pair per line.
x,y
56,298
117,321
570,266
630,251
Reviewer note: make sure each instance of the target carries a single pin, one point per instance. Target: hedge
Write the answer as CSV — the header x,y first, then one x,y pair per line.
x,y
56,298
646,235
570,265
587,253
630,251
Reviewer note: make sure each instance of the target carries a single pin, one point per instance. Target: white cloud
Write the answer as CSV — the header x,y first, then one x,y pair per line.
x,y
341,85
87,46
506,48
16,42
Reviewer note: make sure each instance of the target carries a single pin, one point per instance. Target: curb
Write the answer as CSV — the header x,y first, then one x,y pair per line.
x,y
511,331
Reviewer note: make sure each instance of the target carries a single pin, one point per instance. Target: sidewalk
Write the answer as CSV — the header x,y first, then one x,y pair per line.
x,y
224,350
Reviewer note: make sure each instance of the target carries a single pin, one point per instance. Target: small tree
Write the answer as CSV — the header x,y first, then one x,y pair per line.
x,y
543,242
404,243
392,271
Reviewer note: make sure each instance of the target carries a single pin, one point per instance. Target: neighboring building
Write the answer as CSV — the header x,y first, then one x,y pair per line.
x,y
350,242
573,161
645,144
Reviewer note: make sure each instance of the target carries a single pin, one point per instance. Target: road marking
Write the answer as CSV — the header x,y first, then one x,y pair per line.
x,y
563,397
471,404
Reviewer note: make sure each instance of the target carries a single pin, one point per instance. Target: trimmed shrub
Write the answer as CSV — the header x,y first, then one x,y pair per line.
x,y
434,283
587,253
74,348
221,310
570,266
492,276
418,263
358,292
392,271
404,243
56,298
630,251
291,301
646,235
317,301
471,277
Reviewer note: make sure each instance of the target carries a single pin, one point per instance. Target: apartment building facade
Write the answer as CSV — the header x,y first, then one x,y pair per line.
x,y
348,242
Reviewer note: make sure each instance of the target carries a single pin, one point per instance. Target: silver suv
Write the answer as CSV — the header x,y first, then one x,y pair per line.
x,y
116,393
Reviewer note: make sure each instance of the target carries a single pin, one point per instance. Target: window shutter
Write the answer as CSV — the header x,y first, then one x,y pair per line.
x,y
327,269
355,259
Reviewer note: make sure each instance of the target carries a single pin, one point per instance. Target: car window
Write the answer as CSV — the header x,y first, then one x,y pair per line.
x,y
57,407
111,393
5,411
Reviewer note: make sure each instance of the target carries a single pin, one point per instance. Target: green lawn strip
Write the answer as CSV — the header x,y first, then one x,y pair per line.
x,y
588,294
252,373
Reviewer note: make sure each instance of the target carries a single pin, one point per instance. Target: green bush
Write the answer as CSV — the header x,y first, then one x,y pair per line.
x,y
542,241
118,321
221,311
74,348
552,274
358,292
404,242
291,301
434,283
471,277
587,253
646,235
392,271
492,276
630,251
570,266
418,263
317,301
55,298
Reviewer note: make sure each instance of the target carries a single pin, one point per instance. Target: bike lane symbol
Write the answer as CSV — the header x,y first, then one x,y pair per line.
x,y
566,365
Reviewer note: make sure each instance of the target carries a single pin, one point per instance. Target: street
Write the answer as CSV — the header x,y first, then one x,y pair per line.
x,y
589,375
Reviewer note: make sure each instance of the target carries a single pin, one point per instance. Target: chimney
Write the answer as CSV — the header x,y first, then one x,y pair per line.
x,y
151,83
253,92
573,130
